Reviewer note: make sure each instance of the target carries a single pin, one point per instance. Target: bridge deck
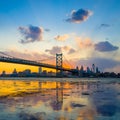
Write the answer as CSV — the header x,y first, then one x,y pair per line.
x,y
32,63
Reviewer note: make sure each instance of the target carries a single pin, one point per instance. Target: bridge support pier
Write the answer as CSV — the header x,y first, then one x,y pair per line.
x,y
59,73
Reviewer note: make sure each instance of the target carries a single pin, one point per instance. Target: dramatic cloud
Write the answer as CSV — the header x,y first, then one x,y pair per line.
x,y
54,50
79,16
30,34
105,47
57,49
62,37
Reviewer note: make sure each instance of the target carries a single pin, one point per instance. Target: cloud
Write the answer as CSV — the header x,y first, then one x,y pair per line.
x,y
87,43
84,43
31,34
103,25
105,47
47,30
62,37
79,16
68,49
58,49
71,51
54,50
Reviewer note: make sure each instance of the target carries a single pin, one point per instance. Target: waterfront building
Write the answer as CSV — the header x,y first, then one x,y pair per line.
x,y
81,69
93,68
3,73
88,70
27,71
44,72
39,70
14,71
81,72
97,70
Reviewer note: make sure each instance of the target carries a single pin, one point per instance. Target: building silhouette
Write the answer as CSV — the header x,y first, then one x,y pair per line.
x,y
93,68
40,70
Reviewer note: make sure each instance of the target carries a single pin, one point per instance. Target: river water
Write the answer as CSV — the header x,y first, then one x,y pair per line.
x,y
59,99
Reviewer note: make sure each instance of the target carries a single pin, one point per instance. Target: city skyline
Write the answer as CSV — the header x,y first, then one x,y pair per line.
x,y
91,72
86,32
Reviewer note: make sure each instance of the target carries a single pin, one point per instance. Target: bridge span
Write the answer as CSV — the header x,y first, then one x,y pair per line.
x,y
33,63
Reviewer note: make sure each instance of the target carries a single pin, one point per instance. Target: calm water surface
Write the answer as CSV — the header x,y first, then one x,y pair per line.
x,y
60,99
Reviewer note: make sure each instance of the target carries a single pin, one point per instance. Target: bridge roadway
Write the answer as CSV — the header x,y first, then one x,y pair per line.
x,y
32,63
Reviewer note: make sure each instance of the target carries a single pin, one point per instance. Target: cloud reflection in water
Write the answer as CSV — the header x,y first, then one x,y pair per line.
x,y
60,100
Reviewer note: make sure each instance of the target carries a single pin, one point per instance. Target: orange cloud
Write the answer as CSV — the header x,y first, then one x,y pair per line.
x,y
84,43
62,37
67,48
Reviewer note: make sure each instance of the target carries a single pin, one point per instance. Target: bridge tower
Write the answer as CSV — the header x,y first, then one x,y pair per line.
x,y
59,62
57,102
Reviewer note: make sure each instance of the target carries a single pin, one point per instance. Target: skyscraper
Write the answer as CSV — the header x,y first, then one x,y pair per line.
x,y
40,70
93,68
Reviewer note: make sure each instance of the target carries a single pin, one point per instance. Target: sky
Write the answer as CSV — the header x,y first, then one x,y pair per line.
x,y
85,31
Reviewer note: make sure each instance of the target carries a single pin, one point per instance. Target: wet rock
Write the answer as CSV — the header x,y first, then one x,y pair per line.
x,y
74,105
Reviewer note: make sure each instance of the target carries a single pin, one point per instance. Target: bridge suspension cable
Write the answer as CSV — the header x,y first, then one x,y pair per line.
x,y
6,54
15,60
68,63
46,59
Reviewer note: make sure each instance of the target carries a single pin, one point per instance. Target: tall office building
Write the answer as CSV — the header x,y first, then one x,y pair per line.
x,y
40,70
81,69
97,70
93,68
88,70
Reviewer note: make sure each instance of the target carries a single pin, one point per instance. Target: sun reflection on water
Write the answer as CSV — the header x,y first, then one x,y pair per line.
x,y
51,100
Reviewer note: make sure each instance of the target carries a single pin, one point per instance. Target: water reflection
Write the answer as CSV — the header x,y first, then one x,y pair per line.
x,y
57,103
45,100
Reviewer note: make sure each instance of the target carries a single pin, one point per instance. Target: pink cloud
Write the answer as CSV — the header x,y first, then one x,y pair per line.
x,y
62,37
84,43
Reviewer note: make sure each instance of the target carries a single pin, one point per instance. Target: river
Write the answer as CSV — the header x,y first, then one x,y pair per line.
x,y
59,99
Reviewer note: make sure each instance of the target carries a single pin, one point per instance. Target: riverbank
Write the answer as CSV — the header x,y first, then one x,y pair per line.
x,y
58,79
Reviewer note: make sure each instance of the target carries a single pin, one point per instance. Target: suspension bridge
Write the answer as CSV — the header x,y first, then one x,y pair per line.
x,y
59,62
